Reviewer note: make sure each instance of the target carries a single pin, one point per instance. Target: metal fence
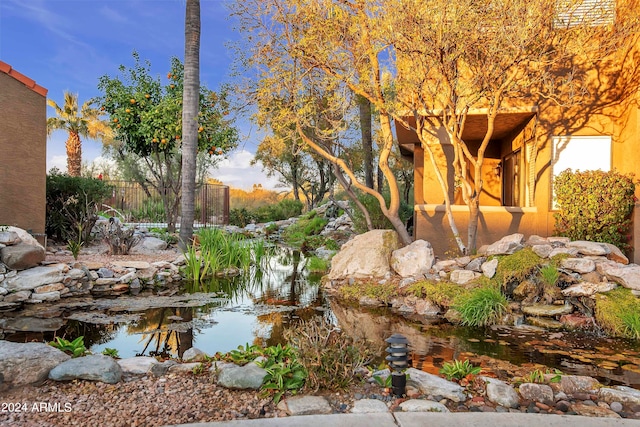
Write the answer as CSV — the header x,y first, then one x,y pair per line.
x,y
139,205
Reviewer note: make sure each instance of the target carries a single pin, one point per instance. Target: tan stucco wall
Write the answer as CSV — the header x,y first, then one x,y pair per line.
x,y
23,142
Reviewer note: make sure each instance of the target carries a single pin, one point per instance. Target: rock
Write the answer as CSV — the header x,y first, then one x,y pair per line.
x,y
152,244
587,289
241,377
427,308
476,264
308,405
194,355
22,256
543,251
536,392
525,289
127,278
434,385
369,406
625,275
413,260
579,265
577,321
24,236
505,246
28,363
615,254
544,322
419,405
131,264
9,238
593,411
105,273
137,365
534,239
49,288
547,310
48,296
501,393
31,324
463,276
620,394
17,296
161,369
95,367
185,367
616,406
489,268
445,265
35,277
562,251
588,248
366,255
572,384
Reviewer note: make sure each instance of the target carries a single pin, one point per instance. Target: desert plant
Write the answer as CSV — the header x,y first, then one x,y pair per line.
x,y
331,357
595,206
74,245
482,306
459,370
119,239
76,347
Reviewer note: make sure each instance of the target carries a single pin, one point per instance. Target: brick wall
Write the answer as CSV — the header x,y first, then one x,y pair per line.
x,y
23,151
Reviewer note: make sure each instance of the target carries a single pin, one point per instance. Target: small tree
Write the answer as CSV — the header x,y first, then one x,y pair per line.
x,y
146,118
595,206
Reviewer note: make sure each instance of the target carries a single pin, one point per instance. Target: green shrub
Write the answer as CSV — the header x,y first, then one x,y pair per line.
x,y
549,275
516,267
72,206
354,291
317,265
378,220
481,307
595,206
240,217
441,293
617,313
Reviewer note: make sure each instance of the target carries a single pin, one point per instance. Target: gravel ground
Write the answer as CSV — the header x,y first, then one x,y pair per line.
x,y
148,401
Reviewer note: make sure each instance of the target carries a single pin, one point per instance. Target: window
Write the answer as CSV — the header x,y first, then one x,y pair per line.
x,y
580,153
571,13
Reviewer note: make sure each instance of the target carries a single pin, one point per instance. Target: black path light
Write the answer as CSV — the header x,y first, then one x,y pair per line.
x,y
398,359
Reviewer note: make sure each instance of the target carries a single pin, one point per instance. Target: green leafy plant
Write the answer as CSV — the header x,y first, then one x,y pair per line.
x,y
198,369
76,347
549,275
631,322
459,370
384,382
535,376
354,291
595,206
111,352
482,306
74,246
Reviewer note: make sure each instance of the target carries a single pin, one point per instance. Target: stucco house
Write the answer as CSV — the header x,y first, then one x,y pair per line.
x,y
533,142
23,148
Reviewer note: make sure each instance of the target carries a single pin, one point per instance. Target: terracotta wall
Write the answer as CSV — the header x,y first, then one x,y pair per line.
x,y
23,141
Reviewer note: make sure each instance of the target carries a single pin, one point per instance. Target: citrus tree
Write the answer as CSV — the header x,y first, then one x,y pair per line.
x,y
146,117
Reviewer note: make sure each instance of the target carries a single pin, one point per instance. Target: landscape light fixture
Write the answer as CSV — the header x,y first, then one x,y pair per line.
x,y
398,359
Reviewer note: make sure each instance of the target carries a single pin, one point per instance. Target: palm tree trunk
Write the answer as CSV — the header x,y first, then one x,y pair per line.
x,y
74,154
190,104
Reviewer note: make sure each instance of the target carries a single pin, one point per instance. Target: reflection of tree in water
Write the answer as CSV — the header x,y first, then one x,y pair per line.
x,y
158,339
92,333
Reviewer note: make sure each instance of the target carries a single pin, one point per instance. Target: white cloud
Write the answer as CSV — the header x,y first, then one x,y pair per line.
x,y
238,172
58,161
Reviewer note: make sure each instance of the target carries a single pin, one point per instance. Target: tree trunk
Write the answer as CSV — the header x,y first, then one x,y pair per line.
x,y
472,231
364,107
74,154
190,104
352,195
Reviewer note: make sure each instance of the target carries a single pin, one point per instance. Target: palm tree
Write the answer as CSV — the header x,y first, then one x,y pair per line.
x,y
87,124
190,105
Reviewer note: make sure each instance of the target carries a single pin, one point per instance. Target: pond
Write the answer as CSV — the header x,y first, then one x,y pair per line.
x,y
259,306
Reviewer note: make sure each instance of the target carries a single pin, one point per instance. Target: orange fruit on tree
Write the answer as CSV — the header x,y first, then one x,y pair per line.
x,y
127,110
200,129
154,140
163,141
147,96
115,120
172,85
168,75
118,126
133,101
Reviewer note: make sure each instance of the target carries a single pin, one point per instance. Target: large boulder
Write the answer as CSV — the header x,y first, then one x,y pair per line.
x,y
626,275
434,385
505,246
414,260
249,376
22,256
95,367
28,363
366,255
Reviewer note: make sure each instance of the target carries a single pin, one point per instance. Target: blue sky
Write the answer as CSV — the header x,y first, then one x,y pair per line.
x,y
69,44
